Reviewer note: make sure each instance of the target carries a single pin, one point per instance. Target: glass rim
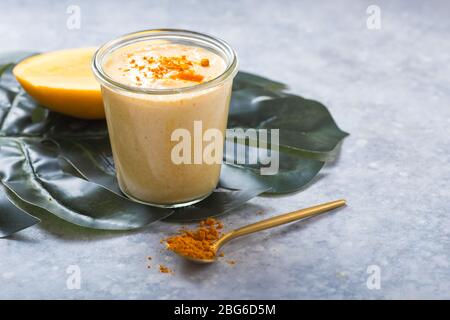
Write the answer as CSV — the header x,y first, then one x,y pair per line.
x,y
149,34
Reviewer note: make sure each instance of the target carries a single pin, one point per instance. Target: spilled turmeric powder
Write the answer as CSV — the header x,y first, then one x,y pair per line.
x,y
164,269
178,67
197,243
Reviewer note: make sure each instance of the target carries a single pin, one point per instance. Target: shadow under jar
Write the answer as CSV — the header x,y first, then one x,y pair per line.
x,y
164,92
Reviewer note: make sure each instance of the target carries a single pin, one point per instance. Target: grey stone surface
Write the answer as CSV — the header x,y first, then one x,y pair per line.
x,y
389,88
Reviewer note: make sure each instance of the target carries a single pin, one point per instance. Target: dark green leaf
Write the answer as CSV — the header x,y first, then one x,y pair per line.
x,y
4,67
12,219
92,158
305,125
33,172
294,172
38,114
244,103
76,181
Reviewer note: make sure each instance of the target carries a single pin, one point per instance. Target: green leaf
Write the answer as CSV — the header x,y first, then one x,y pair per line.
x,y
38,114
293,172
33,172
4,67
64,165
244,103
306,126
92,158
13,218
286,180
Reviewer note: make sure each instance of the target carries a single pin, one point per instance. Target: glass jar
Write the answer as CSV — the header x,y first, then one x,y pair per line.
x,y
161,137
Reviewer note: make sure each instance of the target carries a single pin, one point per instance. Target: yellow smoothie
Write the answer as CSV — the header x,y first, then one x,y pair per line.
x,y
141,124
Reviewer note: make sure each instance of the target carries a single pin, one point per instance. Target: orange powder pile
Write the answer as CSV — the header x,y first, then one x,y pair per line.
x,y
180,67
197,243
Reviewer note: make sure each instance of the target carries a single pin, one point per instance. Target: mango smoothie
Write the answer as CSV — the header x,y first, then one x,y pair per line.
x,y
154,84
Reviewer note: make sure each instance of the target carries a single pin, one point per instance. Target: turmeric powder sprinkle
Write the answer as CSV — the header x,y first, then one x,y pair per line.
x,y
197,243
164,269
188,76
204,62
175,67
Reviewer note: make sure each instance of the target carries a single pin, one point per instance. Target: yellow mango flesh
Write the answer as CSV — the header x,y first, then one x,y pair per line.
x,y
63,82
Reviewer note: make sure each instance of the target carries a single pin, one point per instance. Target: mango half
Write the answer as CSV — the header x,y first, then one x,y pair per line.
x,y
63,82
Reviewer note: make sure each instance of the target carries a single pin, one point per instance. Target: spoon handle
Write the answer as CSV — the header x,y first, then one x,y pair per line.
x,y
282,219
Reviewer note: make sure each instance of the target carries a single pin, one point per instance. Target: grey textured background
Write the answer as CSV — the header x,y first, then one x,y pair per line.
x,y
389,88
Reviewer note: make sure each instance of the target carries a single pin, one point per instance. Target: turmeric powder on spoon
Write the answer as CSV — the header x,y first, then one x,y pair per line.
x,y
197,243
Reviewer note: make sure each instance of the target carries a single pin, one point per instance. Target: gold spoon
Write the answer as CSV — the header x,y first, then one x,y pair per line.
x,y
267,224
